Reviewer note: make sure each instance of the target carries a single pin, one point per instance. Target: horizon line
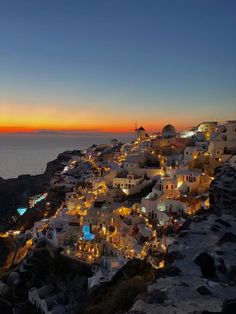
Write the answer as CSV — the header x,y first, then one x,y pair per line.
x,y
37,131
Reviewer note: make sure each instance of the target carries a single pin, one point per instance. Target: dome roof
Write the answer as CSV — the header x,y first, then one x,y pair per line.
x,y
168,131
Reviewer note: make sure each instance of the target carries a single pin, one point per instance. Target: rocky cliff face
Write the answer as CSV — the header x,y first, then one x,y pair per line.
x,y
223,190
205,256
14,192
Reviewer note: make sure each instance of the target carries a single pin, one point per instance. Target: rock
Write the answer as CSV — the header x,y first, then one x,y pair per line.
x,y
229,307
183,234
203,290
7,249
184,284
223,223
155,296
175,255
13,278
207,312
170,271
207,265
222,193
232,274
14,192
227,237
5,307
215,228
219,252
137,312
222,267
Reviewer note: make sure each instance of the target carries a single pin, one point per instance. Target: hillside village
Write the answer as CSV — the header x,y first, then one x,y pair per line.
x,y
115,203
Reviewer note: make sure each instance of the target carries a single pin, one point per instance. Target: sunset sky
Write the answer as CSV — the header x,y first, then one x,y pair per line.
x,y
102,65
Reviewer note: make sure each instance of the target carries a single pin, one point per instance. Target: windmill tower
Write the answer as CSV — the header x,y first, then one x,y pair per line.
x,y
139,133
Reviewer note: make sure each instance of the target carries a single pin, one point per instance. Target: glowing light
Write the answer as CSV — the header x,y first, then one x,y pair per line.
x,y
21,210
42,197
161,264
4,235
143,209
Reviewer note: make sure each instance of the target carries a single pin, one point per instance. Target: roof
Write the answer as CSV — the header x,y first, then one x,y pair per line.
x,y
45,291
169,128
189,172
145,232
141,129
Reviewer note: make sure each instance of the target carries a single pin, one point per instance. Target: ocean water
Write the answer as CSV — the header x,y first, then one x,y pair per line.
x,y
29,154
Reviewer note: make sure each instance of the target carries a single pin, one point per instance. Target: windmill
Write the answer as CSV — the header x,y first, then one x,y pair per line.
x,y
135,128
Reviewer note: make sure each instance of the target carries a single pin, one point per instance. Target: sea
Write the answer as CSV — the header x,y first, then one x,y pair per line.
x,y
29,153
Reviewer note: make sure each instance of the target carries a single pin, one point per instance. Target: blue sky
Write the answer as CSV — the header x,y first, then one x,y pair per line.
x,y
109,61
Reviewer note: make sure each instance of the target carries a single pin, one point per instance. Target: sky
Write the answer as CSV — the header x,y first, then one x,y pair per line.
x,y
102,65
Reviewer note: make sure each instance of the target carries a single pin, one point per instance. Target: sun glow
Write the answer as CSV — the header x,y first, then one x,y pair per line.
x,y
15,118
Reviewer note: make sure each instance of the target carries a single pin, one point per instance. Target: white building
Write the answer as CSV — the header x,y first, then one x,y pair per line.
x,y
134,161
224,142
49,300
188,181
63,183
59,223
127,182
141,134
192,152
167,186
208,128
161,208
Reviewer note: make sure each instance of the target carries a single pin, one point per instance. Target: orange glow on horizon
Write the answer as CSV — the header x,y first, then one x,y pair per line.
x,y
105,128
26,119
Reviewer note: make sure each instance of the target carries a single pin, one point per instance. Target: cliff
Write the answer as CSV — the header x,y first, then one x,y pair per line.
x,y
15,192
204,255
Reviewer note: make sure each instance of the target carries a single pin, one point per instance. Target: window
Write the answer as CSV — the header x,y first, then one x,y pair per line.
x,y
166,187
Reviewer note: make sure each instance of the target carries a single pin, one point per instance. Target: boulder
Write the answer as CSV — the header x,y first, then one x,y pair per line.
x,y
203,290
207,265
155,296
229,307
227,237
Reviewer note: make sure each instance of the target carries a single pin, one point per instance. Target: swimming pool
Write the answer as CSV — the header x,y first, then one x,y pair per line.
x,y
87,236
